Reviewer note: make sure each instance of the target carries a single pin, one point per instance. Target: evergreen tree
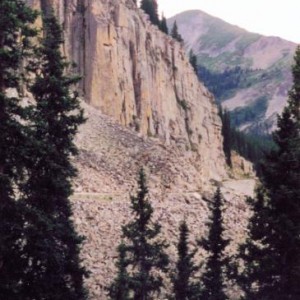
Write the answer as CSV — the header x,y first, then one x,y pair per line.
x,y
184,286
175,34
227,133
16,20
119,289
150,7
215,244
163,25
278,269
193,60
256,278
52,245
145,253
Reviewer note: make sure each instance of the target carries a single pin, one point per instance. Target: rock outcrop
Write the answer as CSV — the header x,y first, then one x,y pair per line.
x,y
139,76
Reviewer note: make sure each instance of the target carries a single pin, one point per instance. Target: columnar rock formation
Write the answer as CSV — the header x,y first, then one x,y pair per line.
x,y
145,107
139,76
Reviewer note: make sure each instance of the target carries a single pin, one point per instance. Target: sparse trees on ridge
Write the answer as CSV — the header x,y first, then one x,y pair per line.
x,y
150,7
175,34
163,25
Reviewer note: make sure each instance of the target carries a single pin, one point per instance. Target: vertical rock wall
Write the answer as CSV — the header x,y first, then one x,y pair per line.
x,y
139,76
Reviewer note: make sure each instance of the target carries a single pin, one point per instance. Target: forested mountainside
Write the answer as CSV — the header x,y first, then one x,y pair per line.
x,y
248,73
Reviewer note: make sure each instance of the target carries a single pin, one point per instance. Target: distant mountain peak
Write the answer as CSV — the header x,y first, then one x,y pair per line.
x,y
257,66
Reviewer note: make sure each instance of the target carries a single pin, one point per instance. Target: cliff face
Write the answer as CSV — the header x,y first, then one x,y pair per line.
x,y
139,76
144,107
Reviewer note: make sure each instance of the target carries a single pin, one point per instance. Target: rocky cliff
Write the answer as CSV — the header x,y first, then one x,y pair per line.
x,y
139,76
145,107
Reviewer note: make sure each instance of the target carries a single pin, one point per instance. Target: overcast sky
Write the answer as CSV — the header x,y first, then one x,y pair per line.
x,y
268,17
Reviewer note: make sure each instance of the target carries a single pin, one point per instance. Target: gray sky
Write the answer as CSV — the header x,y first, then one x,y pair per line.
x,y
268,17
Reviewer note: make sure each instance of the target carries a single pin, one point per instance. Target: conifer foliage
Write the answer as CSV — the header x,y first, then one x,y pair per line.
x,y
193,60
163,25
184,284
213,278
281,177
255,277
16,20
52,245
119,289
150,7
175,33
145,253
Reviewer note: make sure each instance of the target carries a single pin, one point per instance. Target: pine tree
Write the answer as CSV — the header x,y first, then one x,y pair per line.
x,y
52,245
227,133
16,20
193,60
175,34
119,289
163,25
184,286
272,256
213,281
255,276
145,253
150,7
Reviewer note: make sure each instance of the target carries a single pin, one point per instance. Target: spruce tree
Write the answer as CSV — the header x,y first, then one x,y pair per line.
x,y
145,252
253,269
52,245
183,279
227,133
150,7
193,60
16,32
163,25
119,289
213,281
272,255
175,34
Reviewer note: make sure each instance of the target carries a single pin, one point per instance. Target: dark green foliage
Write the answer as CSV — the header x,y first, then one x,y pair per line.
x,y
193,60
15,33
251,147
150,7
223,84
227,133
256,276
52,245
213,278
119,289
281,177
183,279
175,34
163,25
253,112
145,253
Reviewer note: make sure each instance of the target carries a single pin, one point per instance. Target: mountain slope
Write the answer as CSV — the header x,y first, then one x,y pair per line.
x,y
249,73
